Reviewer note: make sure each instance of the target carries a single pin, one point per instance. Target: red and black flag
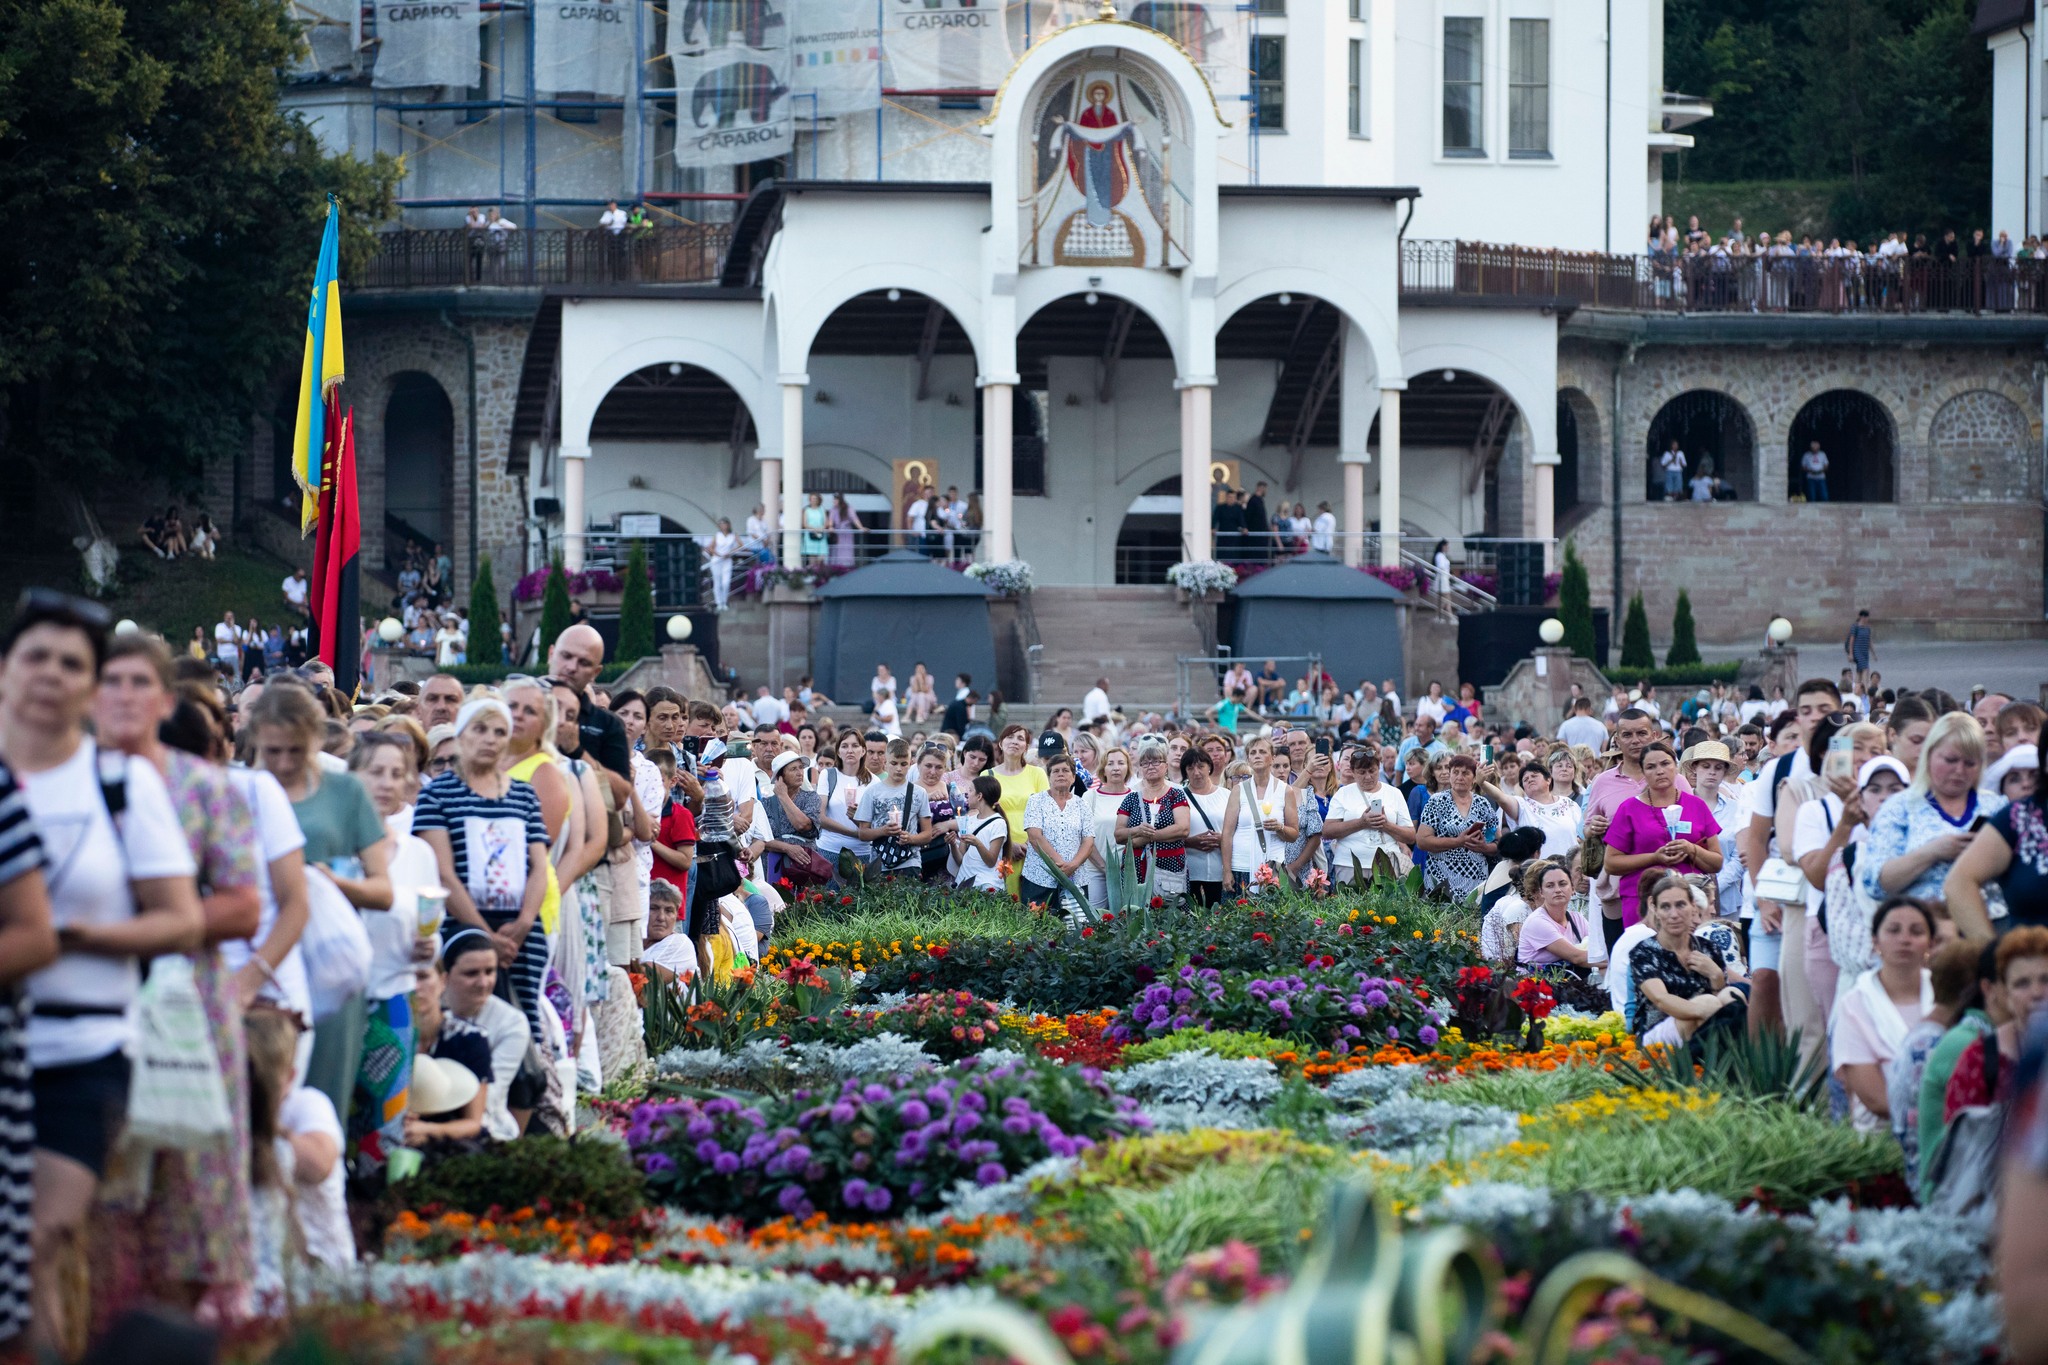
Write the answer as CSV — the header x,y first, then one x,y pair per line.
x,y
337,613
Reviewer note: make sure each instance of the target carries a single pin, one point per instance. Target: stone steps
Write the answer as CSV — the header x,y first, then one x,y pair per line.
x,y
1129,635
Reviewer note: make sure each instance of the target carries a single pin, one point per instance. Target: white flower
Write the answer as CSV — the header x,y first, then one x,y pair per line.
x,y
1199,576
1009,577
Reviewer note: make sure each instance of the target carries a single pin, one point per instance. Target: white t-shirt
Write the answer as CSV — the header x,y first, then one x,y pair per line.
x,y
277,835
1205,866
838,799
976,871
1560,821
882,687
768,712
916,516
509,1036
448,642
1584,730
612,221
677,953
1672,460
886,718
1814,462
296,590
89,871
227,642
1433,707
1812,827
1096,703
393,932
1351,803
739,922
322,1208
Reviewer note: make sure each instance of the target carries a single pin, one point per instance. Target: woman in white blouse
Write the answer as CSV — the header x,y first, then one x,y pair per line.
x,y
1105,799
1261,819
1059,829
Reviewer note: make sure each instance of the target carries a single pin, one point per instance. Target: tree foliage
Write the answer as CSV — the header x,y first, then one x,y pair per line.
x,y
1892,97
484,645
1635,636
1685,645
1575,606
554,608
162,215
636,607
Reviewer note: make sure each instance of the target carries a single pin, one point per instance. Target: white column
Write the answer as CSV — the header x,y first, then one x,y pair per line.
x,y
573,460
1196,453
1354,509
997,474
1390,475
771,497
792,480
1544,492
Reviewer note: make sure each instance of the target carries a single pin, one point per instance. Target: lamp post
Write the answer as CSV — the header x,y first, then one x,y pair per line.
x,y
390,630
1551,631
679,628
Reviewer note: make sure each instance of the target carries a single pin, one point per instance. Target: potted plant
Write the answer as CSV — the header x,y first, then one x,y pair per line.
x,y
1200,579
1010,578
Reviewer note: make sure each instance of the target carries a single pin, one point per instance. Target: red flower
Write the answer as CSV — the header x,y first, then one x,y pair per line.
x,y
846,900
1262,937
1067,1320
938,950
1088,931
1158,902
1107,917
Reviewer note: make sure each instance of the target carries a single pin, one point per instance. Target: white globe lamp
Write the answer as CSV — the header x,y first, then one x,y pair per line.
x,y
390,630
1780,630
679,628
124,626
1551,631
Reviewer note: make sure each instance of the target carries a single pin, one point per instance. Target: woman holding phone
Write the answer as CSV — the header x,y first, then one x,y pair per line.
x,y
1661,828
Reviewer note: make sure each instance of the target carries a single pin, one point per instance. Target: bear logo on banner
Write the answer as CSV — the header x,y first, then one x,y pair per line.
x,y
732,66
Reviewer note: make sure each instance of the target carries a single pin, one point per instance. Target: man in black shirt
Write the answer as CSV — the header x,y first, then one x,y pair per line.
x,y
1229,526
954,720
576,658
1256,526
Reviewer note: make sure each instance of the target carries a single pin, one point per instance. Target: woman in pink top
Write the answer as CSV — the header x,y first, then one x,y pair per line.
x,y
1662,827
1552,934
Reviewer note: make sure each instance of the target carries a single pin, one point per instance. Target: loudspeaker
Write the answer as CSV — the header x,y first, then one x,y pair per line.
x,y
547,507
1519,566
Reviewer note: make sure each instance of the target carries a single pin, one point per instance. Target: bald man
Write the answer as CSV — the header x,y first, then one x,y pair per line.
x,y
577,656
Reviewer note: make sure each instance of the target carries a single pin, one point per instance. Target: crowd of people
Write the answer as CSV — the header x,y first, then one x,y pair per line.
x,y
1768,272
406,922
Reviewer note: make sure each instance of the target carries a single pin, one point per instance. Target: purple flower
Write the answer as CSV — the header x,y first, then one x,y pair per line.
x,y
843,1112
657,1163
965,1122
876,1094
1017,1125
990,1173
699,1128
878,1200
1376,998
1393,1032
915,1113
853,1193
1428,1036
1061,1146
790,1198
1016,1104
725,1163
707,1150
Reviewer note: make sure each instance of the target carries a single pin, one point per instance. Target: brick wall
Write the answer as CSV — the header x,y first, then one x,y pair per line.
x,y
1962,542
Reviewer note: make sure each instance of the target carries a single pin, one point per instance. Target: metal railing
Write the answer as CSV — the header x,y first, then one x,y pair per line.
x,y
1712,283
450,257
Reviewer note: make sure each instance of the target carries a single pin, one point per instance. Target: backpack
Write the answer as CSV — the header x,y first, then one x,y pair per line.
x,y
1960,1177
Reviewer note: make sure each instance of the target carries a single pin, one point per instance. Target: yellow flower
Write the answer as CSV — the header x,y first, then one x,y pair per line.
x,y
1418,933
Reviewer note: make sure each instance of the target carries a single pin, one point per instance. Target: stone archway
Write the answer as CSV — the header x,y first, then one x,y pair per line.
x,y
1980,449
1856,432
419,467
1714,433
1148,539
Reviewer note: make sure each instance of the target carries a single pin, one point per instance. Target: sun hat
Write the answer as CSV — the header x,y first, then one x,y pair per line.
x,y
1706,751
2017,757
783,760
482,706
439,1085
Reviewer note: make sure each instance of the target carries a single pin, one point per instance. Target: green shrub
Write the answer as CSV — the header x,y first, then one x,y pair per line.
x,y
1575,606
485,648
1691,675
636,607
1635,637
470,675
554,609
1685,646
593,1175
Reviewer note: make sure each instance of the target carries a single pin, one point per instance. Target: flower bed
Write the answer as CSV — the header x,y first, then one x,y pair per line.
x,y
923,1100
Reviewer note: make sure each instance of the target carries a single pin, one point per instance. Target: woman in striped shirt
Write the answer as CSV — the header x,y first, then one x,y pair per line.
x,y
485,829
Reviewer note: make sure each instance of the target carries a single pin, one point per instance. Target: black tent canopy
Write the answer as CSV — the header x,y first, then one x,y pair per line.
x,y
1314,604
902,610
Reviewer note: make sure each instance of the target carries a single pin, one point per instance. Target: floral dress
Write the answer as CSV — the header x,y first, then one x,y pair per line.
x,y
189,1222
1456,871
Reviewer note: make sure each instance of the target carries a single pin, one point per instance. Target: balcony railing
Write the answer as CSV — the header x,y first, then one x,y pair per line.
x,y
1723,284
453,257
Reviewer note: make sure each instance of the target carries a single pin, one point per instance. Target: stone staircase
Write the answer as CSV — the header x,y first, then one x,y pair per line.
x,y
1130,635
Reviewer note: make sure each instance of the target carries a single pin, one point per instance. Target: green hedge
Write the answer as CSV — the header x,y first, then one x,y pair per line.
x,y
1685,675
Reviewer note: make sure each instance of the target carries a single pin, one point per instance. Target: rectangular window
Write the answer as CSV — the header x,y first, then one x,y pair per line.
x,y
1355,93
1464,87
1269,6
1529,87
1269,83
1357,10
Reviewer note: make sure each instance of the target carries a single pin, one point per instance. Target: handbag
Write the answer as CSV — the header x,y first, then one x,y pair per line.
x,y
1781,881
176,1098
335,946
718,870
803,865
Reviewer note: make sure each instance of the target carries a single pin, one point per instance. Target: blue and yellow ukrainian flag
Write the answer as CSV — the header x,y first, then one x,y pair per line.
x,y
321,372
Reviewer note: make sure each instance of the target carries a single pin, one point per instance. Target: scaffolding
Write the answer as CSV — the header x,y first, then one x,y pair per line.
x,y
553,160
